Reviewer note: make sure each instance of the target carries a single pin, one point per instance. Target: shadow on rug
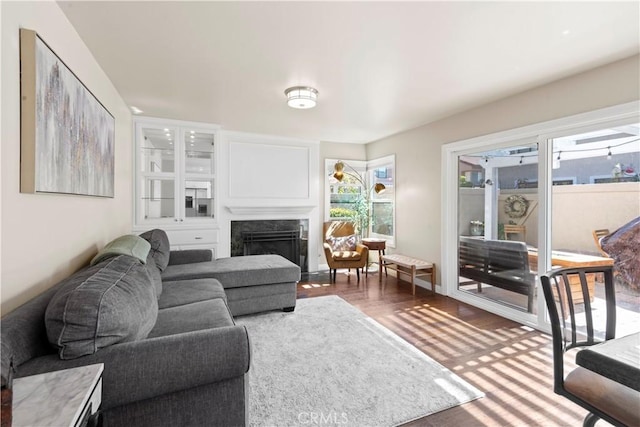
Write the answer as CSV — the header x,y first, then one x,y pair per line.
x,y
327,363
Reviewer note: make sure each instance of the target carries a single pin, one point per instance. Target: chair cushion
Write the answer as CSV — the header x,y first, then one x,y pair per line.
x,y
113,301
612,398
160,249
343,243
346,256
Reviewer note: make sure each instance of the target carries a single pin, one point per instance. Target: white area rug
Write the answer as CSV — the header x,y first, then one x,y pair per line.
x,y
327,363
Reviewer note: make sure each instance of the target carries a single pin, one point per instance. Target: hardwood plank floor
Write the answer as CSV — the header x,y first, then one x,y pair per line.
x,y
511,363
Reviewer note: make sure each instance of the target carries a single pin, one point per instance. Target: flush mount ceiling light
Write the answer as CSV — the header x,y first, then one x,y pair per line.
x,y
301,97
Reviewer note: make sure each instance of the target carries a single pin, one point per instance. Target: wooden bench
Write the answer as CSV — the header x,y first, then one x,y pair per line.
x,y
411,266
500,263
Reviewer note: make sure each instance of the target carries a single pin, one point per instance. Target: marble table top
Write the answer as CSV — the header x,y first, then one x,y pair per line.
x,y
54,398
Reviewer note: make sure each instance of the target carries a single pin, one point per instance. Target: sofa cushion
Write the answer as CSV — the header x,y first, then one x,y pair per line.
x,y
160,249
129,244
197,316
238,271
113,301
181,292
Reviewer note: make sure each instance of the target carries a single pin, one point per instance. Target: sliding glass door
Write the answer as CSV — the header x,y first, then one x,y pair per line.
x,y
520,202
595,202
497,227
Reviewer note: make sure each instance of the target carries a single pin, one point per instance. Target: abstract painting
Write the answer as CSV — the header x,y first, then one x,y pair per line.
x,y
67,135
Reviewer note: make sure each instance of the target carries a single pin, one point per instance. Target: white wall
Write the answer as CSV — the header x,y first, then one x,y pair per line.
x,y
418,158
47,237
580,209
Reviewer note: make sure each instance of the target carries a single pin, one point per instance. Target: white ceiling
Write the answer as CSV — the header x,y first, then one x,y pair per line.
x,y
380,67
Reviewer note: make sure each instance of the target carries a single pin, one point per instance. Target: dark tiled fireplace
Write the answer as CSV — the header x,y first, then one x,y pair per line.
x,y
283,237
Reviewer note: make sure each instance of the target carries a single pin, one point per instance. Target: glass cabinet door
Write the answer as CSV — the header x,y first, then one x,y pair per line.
x,y
157,165
199,174
175,172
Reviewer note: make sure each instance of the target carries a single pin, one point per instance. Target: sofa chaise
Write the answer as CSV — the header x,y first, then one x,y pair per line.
x,y
162,327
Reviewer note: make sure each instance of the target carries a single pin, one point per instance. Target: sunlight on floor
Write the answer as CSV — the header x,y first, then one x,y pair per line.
x,y
315,285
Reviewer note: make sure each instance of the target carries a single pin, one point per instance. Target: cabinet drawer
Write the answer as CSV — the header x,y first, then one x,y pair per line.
x,y
190,237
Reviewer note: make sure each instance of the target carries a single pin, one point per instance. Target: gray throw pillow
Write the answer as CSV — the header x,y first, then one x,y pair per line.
x,y
160,249
111,302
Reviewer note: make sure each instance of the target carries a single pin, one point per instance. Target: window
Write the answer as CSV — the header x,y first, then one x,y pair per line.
x,y
345,195
383,218
355,198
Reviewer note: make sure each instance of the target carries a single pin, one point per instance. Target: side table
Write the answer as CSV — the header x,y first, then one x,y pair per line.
x,y
379,245
70,397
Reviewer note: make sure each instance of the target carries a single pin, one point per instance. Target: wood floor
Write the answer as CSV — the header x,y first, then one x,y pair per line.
x,y
509,362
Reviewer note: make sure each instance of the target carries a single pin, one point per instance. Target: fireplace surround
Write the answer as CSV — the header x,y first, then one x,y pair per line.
x,y
288,238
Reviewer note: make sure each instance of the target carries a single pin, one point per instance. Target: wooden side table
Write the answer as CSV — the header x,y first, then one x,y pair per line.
x,y
379,245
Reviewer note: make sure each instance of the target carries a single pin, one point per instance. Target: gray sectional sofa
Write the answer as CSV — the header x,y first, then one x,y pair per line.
x,y
162,324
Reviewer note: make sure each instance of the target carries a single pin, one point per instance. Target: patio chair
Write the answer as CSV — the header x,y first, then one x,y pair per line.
x,y
515,229
573,327
599,234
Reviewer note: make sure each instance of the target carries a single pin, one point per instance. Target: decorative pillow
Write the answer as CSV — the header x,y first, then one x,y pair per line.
x,y
129,244
344,243
159,247
113,301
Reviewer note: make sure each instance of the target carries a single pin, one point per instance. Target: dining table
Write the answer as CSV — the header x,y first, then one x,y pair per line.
x,y
569,259
617,359
566,259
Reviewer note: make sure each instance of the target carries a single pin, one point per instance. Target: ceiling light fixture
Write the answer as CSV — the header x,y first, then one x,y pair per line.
x,y
301,97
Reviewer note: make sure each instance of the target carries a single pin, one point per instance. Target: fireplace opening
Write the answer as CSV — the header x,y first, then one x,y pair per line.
x,y
287,238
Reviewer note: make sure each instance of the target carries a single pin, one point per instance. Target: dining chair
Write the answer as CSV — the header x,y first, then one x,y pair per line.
x,y
515,229
574,325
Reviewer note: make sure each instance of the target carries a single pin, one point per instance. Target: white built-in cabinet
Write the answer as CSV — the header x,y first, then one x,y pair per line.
x,y
175,181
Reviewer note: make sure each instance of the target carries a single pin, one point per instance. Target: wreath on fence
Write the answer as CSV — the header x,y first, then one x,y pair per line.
x,y
516,206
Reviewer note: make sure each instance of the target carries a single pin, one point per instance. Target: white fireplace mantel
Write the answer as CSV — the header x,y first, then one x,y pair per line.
x,y
270,210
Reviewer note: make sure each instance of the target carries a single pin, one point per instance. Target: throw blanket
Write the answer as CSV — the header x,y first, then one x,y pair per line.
x,y
129,244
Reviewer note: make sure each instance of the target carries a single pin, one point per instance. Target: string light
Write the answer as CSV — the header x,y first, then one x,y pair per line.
x,y
559,152
534,153
521,157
